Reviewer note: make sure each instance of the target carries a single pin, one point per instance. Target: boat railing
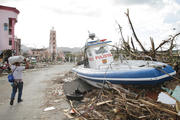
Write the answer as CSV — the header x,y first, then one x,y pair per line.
x,y
124,59
114,65
107,66
148,57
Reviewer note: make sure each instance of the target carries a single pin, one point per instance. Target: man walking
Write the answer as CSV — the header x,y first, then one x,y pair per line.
x,y
18,82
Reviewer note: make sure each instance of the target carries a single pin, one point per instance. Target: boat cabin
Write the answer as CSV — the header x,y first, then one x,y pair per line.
x,y
98,53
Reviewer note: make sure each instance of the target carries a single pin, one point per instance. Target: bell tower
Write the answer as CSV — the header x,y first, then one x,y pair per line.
x,y
52,44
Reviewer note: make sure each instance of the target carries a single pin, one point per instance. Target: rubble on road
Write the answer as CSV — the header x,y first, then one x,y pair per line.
x,y
77,86
118,102
49,108
55,94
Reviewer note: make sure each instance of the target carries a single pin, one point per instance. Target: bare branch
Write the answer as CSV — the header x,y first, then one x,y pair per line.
x,y
172,41
120,29
153,47
164,42
134,33
133,45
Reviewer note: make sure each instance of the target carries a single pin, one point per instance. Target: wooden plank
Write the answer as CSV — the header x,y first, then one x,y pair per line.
x,y
104,102
158,107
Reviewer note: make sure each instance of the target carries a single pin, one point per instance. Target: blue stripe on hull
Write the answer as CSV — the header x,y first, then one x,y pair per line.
x,y
150,82
147,76
140,73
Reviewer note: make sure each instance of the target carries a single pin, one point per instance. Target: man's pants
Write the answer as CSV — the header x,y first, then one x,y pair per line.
x,y
16,86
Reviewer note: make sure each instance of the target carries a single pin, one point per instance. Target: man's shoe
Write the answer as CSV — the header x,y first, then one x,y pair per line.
x,y
20,100
11,102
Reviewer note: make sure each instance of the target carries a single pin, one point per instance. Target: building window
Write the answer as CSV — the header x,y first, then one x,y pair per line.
x,y
10,31
10,41
10,26
5,26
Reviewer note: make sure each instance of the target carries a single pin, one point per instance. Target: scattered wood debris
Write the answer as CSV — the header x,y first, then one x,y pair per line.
x,y
117,103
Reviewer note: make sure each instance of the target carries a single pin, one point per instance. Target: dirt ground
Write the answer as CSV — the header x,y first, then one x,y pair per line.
x,y
39,93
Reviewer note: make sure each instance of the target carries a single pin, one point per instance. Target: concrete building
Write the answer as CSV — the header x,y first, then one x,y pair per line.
x,y
40,54
52,44
17,45
8,19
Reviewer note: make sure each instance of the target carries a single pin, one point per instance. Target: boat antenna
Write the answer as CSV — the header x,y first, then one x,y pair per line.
x,y
91,35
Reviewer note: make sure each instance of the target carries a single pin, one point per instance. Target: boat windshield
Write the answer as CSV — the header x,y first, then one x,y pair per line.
x,y
101,50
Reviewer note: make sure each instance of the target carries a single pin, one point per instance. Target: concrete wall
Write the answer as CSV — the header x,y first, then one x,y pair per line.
x,y
4,34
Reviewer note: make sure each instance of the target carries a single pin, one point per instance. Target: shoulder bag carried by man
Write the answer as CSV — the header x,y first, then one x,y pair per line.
x,y
11,77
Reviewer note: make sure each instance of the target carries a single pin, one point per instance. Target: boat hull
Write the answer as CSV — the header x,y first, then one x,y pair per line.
x,y
137,75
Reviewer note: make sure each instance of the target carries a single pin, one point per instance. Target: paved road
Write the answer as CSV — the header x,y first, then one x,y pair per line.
x,y
35,84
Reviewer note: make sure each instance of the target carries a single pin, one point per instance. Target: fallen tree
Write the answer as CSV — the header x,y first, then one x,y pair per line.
x,y
155,53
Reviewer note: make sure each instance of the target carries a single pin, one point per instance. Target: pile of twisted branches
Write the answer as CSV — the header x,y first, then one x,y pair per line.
x,y
118,103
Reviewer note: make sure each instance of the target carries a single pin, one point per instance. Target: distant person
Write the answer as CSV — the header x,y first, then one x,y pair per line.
x,y
17,69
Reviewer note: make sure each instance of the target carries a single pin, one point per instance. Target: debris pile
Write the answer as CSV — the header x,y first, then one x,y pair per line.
x,y
118,103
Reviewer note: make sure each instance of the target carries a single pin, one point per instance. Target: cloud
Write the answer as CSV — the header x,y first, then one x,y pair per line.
x,y
177,1
80,11
153,3
172,17
171,13
78,7
6,1
3,1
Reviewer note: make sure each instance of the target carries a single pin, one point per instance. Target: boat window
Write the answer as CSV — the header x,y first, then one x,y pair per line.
x,y
100,50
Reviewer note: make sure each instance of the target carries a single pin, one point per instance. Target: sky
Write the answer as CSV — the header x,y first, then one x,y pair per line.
x,y
72,19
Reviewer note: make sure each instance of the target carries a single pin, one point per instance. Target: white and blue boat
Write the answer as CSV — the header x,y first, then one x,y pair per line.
x,y
101,67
